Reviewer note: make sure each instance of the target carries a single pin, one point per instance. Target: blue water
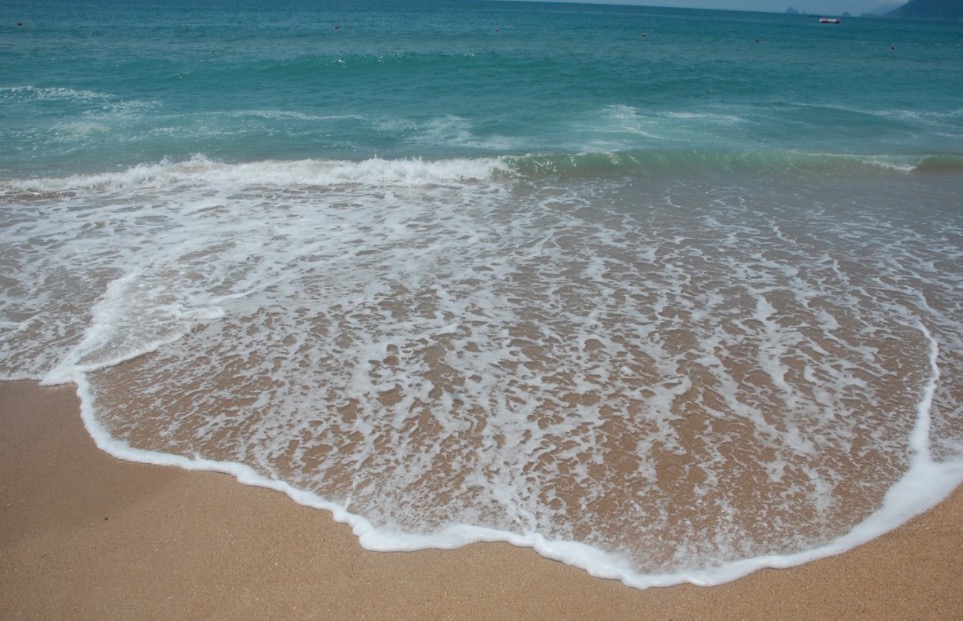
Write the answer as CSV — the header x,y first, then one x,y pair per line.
x,y
113,84
667,294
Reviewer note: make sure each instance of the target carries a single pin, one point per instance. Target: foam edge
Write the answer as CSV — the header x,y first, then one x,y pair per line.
x,y
924,485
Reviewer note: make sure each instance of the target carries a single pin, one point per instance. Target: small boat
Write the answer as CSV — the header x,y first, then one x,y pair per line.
x,y
829,20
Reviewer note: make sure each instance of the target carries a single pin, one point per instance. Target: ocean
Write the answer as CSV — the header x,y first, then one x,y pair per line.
x,y
670,295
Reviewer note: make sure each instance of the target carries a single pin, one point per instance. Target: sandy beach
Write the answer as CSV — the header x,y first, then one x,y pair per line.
x,y
86,536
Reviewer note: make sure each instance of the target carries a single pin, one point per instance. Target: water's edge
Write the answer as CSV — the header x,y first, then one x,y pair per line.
x,y
912,495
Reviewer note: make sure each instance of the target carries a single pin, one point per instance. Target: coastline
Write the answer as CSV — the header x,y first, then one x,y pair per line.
x,y
86,536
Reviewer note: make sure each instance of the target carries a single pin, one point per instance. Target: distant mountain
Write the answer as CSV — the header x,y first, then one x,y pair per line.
x,y
930,9
883,9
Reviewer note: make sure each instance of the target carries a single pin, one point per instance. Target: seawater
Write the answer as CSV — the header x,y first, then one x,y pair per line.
x,y
668,295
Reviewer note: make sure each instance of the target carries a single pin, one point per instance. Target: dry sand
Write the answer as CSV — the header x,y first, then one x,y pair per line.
x,y
86,536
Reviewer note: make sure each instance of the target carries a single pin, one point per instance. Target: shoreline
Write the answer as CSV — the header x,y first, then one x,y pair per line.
x,y
86,536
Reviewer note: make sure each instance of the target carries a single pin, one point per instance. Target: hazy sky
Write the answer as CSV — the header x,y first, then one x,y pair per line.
x,y
829,7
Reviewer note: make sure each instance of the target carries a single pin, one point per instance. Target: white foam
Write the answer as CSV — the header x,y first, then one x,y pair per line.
x,y
133,318
924,485
439,352
57,93
201,171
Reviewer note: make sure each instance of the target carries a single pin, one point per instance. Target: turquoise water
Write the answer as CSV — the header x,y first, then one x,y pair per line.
x,y
668,295
98,86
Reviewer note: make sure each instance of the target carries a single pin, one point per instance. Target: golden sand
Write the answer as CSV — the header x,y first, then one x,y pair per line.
x,y
86,536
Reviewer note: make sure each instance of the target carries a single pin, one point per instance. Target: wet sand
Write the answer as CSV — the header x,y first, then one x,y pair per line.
x,y
86,536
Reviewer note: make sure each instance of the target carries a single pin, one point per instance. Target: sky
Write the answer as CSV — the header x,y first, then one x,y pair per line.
x,y
827,7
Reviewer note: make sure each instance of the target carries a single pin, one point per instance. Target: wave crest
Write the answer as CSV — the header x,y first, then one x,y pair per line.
x,y
310,172
199,170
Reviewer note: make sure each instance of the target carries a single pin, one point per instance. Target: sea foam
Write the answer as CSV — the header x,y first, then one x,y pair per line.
x,y
656,381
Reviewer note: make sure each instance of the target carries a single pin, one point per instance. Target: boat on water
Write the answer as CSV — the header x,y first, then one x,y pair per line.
x,y
829,20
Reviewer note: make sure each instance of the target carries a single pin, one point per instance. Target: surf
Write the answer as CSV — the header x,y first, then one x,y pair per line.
x,y
499,348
